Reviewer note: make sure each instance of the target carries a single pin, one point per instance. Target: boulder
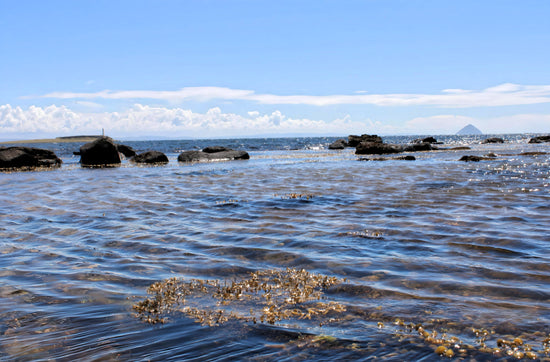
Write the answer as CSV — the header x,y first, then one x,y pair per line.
x,y
493,140
150,157
127,151
338,145
354,141
99,153
201,156
376,148
27,157
540,139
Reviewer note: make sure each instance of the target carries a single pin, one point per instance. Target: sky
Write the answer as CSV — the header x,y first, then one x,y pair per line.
x,y
241,68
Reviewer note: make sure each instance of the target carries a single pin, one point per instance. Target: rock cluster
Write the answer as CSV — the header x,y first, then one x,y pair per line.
x,y
213,154
373,145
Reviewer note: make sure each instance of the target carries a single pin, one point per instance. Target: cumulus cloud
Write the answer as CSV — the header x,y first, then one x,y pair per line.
x,y
501,95
144,120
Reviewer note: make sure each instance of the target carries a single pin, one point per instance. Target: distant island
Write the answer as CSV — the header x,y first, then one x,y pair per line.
x,y
79,138
469,130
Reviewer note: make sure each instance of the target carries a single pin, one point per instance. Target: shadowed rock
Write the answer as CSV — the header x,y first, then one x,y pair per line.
x,y
150,157
338,145
99,153
127,151
215,149
27,157
540,139
426,140
201,156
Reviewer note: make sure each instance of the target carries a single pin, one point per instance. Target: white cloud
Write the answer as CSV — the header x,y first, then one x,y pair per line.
x,y
501,95
144,120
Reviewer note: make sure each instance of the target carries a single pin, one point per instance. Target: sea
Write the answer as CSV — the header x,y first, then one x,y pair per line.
x,y
432,259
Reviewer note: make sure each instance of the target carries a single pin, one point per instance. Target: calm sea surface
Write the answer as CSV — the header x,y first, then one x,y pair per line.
x,y
461,249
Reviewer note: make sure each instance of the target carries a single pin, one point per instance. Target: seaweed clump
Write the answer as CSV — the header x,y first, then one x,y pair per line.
x,y
265,296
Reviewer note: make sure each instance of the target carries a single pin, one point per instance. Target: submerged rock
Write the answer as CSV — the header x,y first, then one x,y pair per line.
x,y
338,145
201,156
150,157
471,158
27,157
540,139
99,153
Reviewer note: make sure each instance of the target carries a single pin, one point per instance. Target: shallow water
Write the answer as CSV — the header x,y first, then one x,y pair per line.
x,y
450,245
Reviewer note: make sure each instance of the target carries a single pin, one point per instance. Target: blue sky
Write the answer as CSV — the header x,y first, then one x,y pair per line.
x,y
239,68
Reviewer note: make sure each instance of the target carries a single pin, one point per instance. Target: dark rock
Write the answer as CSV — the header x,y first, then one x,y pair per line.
x,y
491,155
370,148
200,156
426,140
127,151
540,139
493,140
533,153
354,141
338,145
215,149
424,146
459,148
150,157
406,158
27,157
473,158
101,152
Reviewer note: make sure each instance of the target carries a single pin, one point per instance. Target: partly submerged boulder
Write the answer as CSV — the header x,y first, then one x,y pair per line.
x,y
99,153
338,145
493,140
201,156
540,139
27,157
426,140
150,157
